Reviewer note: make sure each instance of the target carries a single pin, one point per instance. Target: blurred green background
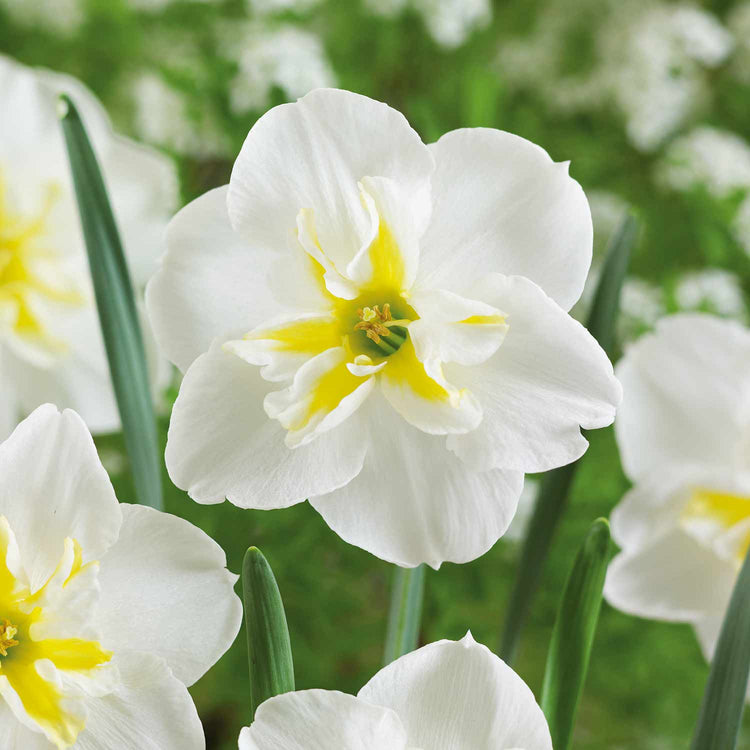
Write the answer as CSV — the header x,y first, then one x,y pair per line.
x,y
651,103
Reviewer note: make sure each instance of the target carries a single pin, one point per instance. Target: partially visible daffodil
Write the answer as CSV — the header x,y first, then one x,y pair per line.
x,y
107,611
380,326
448,695
51,348
684,438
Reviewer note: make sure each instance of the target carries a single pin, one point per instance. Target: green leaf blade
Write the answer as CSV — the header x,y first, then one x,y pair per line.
x,y
724,698
405,616
573,635
118,314
555,485
269,648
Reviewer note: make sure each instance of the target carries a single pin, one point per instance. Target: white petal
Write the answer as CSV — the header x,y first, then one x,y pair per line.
x,y
212,282
453,695
15,736
54,486
673,578
687,395
143,188
423,396
322,720
324,394
501,204
311,154
415,502
548,378
151,710
707,631
452,328
223,444
171,580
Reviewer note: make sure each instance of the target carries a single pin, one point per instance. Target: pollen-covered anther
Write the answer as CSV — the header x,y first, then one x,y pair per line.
x,y
376,322
7,637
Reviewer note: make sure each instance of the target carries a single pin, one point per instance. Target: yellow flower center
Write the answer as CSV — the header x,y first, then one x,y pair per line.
x,y
380,327
30,269
30,635
711,514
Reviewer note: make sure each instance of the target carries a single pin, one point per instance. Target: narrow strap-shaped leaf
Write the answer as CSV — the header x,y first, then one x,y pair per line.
x,y
269,650
724,697
555,485
573,635
405,615
118,315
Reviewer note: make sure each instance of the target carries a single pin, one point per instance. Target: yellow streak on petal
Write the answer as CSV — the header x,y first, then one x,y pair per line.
x,y
484,320
303,337
722,507
404,367
388,268
329,391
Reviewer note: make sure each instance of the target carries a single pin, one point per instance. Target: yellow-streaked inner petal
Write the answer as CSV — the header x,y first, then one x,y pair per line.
x,y
23,250
724,509
405,368
484,320
306,336
58,713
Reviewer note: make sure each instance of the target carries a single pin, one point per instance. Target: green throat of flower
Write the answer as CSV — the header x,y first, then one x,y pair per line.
x,y
381,329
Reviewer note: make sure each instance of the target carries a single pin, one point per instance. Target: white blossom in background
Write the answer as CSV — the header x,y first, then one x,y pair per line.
x,y
684,437
51,348
163,118
718,160
268,7
738,23
448,695
449,22
711,290
286,57
642,304
109,611
659,76
657,67
63,16
361,325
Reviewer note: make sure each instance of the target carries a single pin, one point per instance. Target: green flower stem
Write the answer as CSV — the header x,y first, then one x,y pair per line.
x,y
724,698
269,649
573,635
117,311
405,616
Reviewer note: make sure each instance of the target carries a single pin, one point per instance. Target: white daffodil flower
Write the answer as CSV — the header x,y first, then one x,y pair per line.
x,y
107,611
448,695
684,437
51,348
379,326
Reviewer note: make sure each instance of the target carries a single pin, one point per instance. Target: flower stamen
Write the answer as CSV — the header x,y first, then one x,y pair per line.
x,y
7,637
378,324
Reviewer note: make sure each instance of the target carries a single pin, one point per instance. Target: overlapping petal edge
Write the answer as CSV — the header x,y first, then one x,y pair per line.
x,y
379,326
446,694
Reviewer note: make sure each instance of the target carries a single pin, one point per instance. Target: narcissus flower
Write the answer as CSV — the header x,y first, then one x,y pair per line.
x,y
450,694
107,611
51,348
379,326
684,437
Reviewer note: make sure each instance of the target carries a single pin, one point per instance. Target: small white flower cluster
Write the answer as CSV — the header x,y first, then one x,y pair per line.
x,y
720,162
285,57
712,290
449,22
